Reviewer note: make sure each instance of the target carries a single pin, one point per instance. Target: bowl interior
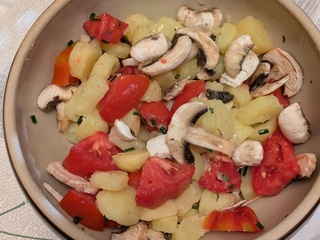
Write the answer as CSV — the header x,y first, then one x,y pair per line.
x,y
33,146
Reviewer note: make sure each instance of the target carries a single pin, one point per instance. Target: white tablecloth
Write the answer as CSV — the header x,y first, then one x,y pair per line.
x,y
18,219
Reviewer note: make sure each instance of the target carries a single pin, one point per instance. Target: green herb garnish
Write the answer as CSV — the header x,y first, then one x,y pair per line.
x,y
70,43
77,219
260,225
177,76
136,113
263,131
163,130
153,121
129,149
79,120
244,171
33,119
93,17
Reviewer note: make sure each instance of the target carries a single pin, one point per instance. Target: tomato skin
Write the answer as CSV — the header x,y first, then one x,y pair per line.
x,y
130,70
110,224
78,204
91,154
241,219
162,180
155,115
105,28
283,100
124,94
191,90
61,72
278,167
221,167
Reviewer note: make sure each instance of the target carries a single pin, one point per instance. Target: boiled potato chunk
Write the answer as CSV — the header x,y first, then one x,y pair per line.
x,y
200,165
124,145
106,65
82,58
169,208
153,93
141,32
187,69
166,224
119,206
188,197
166,79
270,125
120,50
131,161
87,96
132,120
241,94
258,33
246,185
241,131
190,229
112,180
134,21
167,26
259,110
227,34
90,124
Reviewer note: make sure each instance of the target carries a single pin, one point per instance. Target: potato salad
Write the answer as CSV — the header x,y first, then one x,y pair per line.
x,y
176,124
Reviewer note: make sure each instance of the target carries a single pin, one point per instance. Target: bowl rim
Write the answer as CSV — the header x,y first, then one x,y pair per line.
x,y
38,200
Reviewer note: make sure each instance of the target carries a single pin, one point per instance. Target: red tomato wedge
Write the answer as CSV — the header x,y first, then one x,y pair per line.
x,y
130,70
241,219
134,178
221,176
61,72
82,208
278,167
105,28
91,154
125,92
191,90
162,180
155,115
283,100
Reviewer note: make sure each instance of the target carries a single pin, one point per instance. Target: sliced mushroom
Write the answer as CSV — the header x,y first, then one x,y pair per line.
x,y
150,48
123,131
259,76
63,175
307,163
248,66
63,121
175,89
130,62
182,132
293,124
236,53
171,59
205,74
268,88
224,96
157,146
209,47
205,20
248,153
283,64
52,95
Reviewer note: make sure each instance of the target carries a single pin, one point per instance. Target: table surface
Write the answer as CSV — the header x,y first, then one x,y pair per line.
x,y
18,218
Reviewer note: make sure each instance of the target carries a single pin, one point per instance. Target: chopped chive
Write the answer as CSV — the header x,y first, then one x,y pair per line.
x,y
33,119
77,219
79,120
263,131
195,206
177,76
112,77
93,17
211,110
223,177
129,149
244,172
70,43
209,150
260,225
136,113
231,186
153,121
163,130
105,218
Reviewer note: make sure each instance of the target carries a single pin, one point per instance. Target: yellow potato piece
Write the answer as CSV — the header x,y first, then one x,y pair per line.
x,y
131,161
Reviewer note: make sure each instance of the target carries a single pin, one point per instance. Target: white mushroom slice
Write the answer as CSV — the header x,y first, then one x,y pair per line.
x,y
63,121
130,62
181,133
268,88
307,163
193,52
258,77
205,20
248,66
283,64
293,124
53,192
208,46
53,94
158,146
170,60
150,48
123,131
205,74
248,153
236,54
175,89
63,175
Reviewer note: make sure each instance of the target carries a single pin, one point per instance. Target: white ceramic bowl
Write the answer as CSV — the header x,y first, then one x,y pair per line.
x,y
32,146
